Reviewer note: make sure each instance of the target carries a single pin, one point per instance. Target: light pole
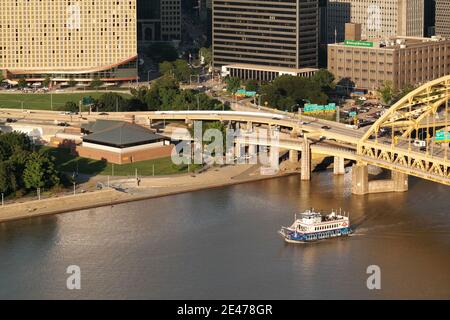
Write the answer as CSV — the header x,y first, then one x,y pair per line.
x,y
3,202
74,187
259,100
39,193
291,107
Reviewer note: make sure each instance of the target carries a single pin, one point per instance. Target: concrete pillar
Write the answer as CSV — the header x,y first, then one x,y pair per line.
x,y
360,179
252,152
249,126
306,161
400,181
239,151
293,156
274,157
339,166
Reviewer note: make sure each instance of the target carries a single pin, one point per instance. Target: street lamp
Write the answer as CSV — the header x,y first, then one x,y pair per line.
x,y
294,105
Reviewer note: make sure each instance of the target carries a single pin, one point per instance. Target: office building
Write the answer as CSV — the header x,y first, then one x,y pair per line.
x,y
267,33
430,18
366,65
443,18
158,20
65,40
379,19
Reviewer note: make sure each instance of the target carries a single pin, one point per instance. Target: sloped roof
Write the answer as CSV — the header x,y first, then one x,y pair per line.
x,y
120,134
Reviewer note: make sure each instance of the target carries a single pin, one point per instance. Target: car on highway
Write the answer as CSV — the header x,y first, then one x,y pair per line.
x,y
63,124
326,127
103,114
10,120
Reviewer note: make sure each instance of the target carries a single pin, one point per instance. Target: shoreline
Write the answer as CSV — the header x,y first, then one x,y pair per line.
x,y
31,209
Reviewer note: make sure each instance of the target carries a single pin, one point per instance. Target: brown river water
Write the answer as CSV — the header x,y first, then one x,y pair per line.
x,y
223,244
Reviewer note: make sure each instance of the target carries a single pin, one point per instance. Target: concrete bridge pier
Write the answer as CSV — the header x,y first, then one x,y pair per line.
x,y
293,156
239,150
339,166
400,181
361,184
274,156
360,179
252,152
305,172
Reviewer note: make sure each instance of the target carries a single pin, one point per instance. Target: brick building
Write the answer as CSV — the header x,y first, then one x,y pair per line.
x,y
122,142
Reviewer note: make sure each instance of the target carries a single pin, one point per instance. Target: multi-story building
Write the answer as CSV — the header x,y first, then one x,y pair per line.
x,y
443,18
379,19
65,40
159,20
403,61
430,18
266,33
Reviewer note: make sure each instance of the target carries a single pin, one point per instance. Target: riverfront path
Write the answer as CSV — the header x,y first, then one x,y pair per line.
x,y
127,191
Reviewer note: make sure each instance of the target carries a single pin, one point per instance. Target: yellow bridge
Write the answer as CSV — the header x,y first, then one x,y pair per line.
x,y
402,140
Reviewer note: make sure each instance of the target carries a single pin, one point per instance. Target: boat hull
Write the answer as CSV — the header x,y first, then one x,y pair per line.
x,y
292,236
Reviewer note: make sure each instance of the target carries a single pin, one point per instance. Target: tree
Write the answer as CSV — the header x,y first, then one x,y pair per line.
x,y
166,68
96,83
286,92
206,56
22,83
39,172
15,141
233,84
252,85
325,79
183,71
387,92
179,69
7,178
111,102
47,81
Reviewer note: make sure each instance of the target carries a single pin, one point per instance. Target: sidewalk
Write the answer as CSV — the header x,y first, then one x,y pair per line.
x,y
129,191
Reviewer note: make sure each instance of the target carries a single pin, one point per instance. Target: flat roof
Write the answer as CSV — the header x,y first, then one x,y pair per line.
x,y
269,68
396,42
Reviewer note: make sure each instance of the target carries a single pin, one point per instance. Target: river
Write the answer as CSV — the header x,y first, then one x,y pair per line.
x,y
223,244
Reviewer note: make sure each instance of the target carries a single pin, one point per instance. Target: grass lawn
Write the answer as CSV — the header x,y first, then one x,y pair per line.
x,y
42,101
68,163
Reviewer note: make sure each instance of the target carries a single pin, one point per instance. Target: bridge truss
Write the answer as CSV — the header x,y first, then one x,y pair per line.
x,y
404,137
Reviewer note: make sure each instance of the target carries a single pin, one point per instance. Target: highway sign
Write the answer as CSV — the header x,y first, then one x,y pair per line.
x,y
315,108
87,101
442,136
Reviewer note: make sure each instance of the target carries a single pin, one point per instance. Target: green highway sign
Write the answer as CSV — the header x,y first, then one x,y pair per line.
x,y
243,92
442,136
315,108
356,43
87,101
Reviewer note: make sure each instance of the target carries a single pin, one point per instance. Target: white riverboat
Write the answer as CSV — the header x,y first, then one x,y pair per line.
x,y
312,226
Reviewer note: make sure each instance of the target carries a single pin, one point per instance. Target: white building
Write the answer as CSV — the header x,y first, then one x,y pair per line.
x,y
443,18
379,19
